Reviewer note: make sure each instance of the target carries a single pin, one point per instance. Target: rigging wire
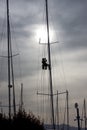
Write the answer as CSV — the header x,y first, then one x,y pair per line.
x,y
2,46
44,75
17,68
52,24
62,109
82,116
64,115
2,38
38,82
16,50
56,114
17,60
64,73
3,61
63,69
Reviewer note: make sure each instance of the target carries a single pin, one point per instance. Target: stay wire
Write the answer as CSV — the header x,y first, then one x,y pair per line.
x,y
2,40
16,51
64,116
60,52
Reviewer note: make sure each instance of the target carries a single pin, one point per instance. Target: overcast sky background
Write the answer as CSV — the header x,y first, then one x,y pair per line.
x,y
68,22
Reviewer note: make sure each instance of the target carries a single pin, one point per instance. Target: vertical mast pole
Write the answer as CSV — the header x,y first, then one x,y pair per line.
x,y
67,98
49,60
14,104
57,111
78,117
21,96
85,113
8,41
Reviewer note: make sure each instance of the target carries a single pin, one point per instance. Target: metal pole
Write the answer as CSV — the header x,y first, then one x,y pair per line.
x,y
14,104
85,113
21,96
78,117
67,98
49,60
9,91
57,111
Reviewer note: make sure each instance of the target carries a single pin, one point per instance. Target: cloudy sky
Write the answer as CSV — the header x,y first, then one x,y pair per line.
x,y
68,26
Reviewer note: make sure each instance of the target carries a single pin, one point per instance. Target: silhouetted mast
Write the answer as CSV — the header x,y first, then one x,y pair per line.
x,y
10,65
14,104
49,62
85,113
57,112
67,98
21,104
78,116
8,42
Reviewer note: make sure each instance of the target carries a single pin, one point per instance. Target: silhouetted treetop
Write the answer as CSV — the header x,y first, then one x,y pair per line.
x,y
21,120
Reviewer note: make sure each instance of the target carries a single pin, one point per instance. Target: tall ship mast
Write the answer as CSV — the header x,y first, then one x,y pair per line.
x,y
10,65
46,65
49,62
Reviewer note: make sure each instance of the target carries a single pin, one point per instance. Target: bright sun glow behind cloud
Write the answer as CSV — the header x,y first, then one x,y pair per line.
x,y
41,34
